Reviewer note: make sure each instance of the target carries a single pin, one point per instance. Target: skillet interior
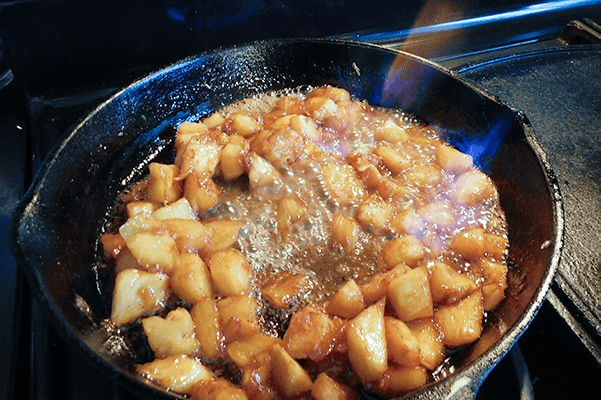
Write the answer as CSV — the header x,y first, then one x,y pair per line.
x,y
61,217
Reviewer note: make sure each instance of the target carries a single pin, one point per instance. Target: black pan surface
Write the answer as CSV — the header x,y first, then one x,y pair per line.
x,y
61,217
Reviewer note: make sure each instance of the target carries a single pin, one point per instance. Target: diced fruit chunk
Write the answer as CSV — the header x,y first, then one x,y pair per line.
x,y
178,373
138,293
289,376
172,335
449,286
461,323
347,302
208,328
230,271
311,334
326,388
367,349
410,295
406,249
403,346
191,279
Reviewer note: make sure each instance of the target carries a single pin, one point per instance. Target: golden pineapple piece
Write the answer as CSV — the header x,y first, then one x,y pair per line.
x,y
223,233
178,373
180,209
238,316
452,160
461,323
243,123
190,234
495,246
438,213
342,183
403,346
377,287
230,271
469,243
326,388
335,93
399,380
449,286
290,105
287,374
405,249
495,282
154,251
162,184
367,348
424,175
262,173
376,213
391,132
233,160
136,207
255,378
347,302
207,324
286,288
218,389
407,222
431,348
139,223
200,157
290,211
191,279
305,126
392,159
126,260
171,335
472,187
138,293
310,334
243,350
202,192
345,232
410,296
186,131
214,120
320,108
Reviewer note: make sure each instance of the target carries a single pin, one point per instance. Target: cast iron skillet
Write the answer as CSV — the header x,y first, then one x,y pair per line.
x,y
62,215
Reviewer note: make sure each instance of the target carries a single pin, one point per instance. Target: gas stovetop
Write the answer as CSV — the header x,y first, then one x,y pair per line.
x,y
551,74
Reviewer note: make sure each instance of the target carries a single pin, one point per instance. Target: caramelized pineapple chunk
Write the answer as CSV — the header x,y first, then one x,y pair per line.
x,y
223,233
191,279
367,348
201,191
345,232
287,288
472,187
347,302
178,373
290,211
399,380
243,350
403,346
392,159
406,249
311,334
326,388
155,252
207,324
461,323
200,157
180,209
172,335
190,234
233,160
230,271
162,184
391,132
449,286
469,243
431,348
452,160
138,293
288,375
262,173
342,183
410,295
239,316
136,207
376,213
377,286
243,123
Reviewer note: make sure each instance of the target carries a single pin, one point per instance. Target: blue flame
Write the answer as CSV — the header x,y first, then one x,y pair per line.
x,y
483,147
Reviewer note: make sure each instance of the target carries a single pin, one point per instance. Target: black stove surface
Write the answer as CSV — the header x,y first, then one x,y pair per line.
x,y
557,357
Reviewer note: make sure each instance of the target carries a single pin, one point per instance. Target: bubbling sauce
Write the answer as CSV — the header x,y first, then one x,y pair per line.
x,y
305,242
